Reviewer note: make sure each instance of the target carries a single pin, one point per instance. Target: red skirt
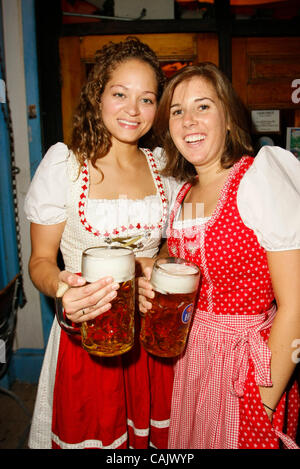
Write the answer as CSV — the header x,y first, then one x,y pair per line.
x,y
114,402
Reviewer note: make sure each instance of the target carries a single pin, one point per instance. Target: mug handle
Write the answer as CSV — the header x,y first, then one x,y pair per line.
x,y
64,322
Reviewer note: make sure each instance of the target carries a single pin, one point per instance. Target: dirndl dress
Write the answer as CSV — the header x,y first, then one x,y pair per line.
x,y
85,401
216,402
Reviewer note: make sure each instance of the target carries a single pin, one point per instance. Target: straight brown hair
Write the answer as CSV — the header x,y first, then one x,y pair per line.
x,y
238,140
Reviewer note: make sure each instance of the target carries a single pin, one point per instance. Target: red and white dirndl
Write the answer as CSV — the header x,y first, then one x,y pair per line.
x,y
89,402
116,402
216,401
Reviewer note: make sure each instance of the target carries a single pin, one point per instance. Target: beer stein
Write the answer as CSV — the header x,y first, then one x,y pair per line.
x,y
110,333
165,327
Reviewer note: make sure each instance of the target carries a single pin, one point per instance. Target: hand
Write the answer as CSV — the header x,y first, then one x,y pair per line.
x,y
83,302
145,290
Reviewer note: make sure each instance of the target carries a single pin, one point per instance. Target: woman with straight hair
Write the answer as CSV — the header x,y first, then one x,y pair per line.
x,y
234,385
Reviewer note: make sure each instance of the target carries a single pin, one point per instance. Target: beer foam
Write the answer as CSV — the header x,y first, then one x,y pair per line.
x,y
117,263
175,278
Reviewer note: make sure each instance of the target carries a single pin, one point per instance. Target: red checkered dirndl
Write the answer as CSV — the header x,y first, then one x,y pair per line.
x,y
216,401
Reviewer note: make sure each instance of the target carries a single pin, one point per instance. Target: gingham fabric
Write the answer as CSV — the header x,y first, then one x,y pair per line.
x,y
216,401
223,344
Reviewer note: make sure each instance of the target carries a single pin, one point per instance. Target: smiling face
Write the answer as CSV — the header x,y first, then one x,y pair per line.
x,y
197,122
129,101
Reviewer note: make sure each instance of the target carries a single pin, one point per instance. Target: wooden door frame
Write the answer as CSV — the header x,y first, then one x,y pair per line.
x,y
77,51
50,28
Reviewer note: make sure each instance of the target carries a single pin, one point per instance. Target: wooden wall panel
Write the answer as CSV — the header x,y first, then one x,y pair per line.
x,y
182,46
273,45
208,48
239,68
77,52
263,71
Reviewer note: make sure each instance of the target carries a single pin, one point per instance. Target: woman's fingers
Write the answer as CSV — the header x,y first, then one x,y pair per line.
x,y
145,292
145,288
83,302
89,313
89,298
70,279
98,292
95,290
144,305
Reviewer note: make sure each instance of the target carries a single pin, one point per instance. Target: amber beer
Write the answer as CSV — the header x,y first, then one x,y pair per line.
x,y
165,327
111,333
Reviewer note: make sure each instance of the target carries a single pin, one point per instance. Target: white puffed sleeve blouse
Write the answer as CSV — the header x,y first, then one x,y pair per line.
x,y
45,202
268,199
47,197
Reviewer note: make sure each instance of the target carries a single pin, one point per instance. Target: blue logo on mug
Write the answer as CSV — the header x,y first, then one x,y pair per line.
x,y
187,313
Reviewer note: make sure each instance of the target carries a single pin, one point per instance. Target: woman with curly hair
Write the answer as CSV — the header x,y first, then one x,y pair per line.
x,y
103,188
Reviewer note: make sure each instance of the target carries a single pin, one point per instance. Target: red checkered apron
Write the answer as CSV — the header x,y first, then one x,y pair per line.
x,y
216,401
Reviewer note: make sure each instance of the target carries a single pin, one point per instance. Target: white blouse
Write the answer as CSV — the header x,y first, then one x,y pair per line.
x,y
46,200
268,200
268,197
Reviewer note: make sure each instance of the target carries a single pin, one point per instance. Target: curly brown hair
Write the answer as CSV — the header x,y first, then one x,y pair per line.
x,y
238,140
90,139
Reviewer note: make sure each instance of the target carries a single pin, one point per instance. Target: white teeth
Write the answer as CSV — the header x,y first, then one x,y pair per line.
x,y
194,138
128,122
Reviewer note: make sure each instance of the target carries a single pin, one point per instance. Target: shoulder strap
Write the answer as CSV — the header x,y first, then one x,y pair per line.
x,y
179,199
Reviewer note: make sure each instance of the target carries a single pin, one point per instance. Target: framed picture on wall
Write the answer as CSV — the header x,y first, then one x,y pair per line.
x,y
293,140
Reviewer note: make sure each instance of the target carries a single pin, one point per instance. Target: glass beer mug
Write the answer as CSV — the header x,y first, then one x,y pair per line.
x,y
165,327
110,333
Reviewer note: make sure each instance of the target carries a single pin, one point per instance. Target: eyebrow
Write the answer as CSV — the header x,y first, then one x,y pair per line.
x,y
126,88
196,100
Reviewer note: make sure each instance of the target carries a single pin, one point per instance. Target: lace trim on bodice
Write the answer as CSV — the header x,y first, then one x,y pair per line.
x,y
118,230
204,222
